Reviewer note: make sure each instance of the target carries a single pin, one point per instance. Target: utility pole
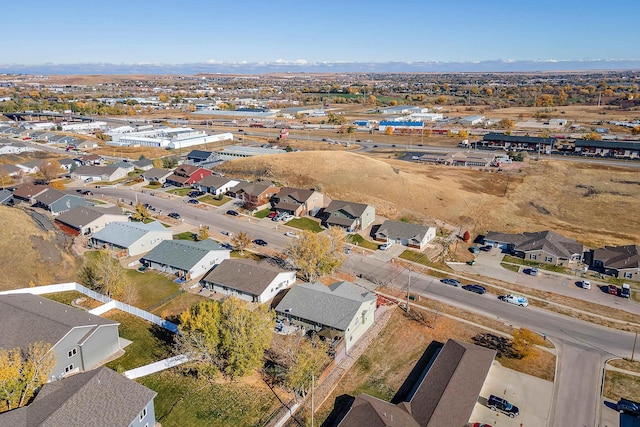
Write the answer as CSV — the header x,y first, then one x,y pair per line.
x,y
633,351
408,289
312,384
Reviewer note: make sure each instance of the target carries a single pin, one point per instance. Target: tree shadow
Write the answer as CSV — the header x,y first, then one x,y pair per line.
x,y
417,373
340,408
163,335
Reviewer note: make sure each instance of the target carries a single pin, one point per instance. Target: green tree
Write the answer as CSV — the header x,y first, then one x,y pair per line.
x,y
317,254
22,373
169,162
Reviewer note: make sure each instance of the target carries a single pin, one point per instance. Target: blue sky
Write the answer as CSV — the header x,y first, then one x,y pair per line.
x,y
233,31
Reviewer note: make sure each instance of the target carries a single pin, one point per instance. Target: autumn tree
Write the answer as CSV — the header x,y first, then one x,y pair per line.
x,y
523,341
104,274
593,136
506,124
22,373
635,130
203,233
466,236
48,170
225,336
388,130
317,254
240,241
141,213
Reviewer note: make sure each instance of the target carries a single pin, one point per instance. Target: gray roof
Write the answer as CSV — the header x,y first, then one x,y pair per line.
x,y
101,397
124,234
142,163
80,216
49,196
27,318
403,230
334,306
546,241
156,173
67,202
618,257
370,411
213,181
242,274
199,154
95,170
181,254
354,209
5,195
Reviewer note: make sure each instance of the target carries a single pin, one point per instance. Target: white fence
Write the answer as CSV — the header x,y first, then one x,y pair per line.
x,y
156,367
108,303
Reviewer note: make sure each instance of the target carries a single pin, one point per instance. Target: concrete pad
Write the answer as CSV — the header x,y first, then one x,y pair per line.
x,y
531,395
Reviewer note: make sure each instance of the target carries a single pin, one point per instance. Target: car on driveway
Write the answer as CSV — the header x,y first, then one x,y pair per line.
x,y
232,212
496,403
292,234
514,299
475,288
385,246
260,242
486,248
481,425
585,284
272,215
174,215
449,281
193,201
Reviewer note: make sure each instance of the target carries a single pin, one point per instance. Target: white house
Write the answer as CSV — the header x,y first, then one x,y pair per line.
x,y
406,234
216,184
185,258
248,280
131,238
99,173
88,219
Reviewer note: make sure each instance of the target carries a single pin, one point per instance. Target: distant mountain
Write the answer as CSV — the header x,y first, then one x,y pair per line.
x,y
324,67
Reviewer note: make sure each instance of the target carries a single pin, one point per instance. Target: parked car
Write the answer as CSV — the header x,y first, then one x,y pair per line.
x,y
486,248
166,185
87,193
88,180
585,284
612,289
287,217
452,282
232,212
385,246
498,404
514,299
196,193
272,215
625,290
475,288
533,271
474,250
628,406
278,217
174,215
193,201
292,234
481,425
260,242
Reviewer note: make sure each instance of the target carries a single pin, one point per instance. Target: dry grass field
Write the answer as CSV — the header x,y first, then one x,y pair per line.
x,y
596,204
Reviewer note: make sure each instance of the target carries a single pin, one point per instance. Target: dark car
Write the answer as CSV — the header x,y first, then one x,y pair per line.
x,y
232,212
166,185
174,215
628,406
193,201
452,282
260,242
475,288
486,248
87,193
498,404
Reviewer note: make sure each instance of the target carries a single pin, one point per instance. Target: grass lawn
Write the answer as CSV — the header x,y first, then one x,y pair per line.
x,y
543,266
263,213
618,384
305,224
177,305
625,364
151,288
510,267
187,235
180,191
211,200
188,402
149,343
69,296
358,240
153,186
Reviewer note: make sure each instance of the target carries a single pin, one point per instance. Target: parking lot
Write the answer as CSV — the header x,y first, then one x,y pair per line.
x,y
530,394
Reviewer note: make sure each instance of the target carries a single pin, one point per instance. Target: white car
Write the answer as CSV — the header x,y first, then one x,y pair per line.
x,y
385,246
586,284
292,234
514,299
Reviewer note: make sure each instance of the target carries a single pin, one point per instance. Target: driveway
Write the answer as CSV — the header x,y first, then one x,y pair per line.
x,y
531,395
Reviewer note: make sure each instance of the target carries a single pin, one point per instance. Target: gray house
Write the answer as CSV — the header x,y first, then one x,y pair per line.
x,y
349,215
88,219
56,202
184,258
101,397
406,234
622,262
343,309
542,246
156,175
131,238
80,340
216,185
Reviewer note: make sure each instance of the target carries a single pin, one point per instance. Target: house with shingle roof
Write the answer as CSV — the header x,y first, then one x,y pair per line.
x,y
101,397
216,185
186,175
99,173
85,220
297,201
343,308
444,396
10,170
56,201
201,157
143,164
31,166
130,238
27,192
90,159
156,175
406,234
254,195
6,197
8,146
185,258
543,246
248,279
622,262
79,340
349,215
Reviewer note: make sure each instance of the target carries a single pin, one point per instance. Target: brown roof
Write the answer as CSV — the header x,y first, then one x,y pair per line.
x,y
354,209
27,191
294,195
245,275
370,411
618,257
185,170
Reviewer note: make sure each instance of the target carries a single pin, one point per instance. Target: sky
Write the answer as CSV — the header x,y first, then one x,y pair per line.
x,y
304,31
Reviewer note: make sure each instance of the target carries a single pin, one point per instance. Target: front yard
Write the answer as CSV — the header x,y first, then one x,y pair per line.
x,y
358,240
305,224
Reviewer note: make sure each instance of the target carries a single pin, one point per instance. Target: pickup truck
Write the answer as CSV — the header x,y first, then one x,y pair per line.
x,y
514,299
628,406
625,290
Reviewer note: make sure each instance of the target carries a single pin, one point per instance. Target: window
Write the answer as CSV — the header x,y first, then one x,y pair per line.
x,y
548,259
533,256
143,414
72,352
628,275
68,368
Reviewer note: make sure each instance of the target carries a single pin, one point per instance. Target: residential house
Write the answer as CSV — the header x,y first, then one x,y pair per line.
x,y
6,197
30,167
85,220
26,193
90,159
622,262
99,173
248,279
67,164
411,235
130,238
56,201
80,144
254,195
143,164
79,340
444,395
216,185
618,149
184,258
349,215
8,146
518,143
127,166
200,157
542,246
156,175
100,397
297,202
10,170
187,175
342,309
